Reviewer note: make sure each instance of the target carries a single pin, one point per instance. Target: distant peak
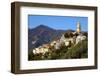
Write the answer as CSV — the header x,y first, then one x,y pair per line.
x,y
42,26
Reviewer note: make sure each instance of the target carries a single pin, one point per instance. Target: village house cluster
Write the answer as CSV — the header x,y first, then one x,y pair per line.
x,y
67,39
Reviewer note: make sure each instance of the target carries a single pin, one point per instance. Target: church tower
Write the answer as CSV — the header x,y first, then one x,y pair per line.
x,y
78,30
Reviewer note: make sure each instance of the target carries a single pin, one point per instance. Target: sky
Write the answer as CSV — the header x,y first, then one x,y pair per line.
x,y
58,22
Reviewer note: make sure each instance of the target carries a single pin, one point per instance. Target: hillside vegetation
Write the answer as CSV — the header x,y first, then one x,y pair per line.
x,y
79,50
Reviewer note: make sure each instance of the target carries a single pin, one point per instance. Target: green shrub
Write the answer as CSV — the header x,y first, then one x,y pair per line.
x,y
77,51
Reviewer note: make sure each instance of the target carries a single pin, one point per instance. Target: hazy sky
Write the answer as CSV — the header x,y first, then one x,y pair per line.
x,y
58,22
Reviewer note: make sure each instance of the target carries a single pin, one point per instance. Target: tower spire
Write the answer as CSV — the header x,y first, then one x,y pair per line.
x,y
78,30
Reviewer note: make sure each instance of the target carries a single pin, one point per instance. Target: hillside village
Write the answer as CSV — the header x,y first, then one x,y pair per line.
x,y
66,40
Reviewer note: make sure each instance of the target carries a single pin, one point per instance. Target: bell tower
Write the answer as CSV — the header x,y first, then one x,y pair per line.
x,y
78,30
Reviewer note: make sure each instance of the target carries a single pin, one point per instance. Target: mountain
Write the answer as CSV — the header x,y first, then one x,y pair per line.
x,y
43,34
